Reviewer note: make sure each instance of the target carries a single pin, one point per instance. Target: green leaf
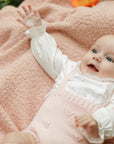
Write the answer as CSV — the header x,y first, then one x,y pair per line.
x,y
4,1
10,2
15,2
2,4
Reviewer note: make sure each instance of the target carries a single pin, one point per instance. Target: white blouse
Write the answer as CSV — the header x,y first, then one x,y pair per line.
x,y
95,90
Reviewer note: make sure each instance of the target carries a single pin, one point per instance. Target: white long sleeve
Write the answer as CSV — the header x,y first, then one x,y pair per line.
x,y
45,50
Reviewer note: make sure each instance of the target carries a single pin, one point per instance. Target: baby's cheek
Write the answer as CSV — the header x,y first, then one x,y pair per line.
x,y
107,70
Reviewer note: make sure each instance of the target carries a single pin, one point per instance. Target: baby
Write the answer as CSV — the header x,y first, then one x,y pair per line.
x,y
79,109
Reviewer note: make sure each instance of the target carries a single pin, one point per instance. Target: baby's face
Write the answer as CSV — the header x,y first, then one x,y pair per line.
x,y
99,60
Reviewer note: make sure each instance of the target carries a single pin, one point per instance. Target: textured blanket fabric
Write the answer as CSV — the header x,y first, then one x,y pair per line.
x,y
23,83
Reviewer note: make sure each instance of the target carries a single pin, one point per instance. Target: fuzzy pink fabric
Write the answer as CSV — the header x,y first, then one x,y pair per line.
x,y
23,83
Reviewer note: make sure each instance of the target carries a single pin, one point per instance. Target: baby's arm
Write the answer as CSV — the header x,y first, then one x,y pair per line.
x,y
44,47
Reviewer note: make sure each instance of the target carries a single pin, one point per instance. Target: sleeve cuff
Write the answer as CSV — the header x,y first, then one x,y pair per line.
x,y
36,31
104,123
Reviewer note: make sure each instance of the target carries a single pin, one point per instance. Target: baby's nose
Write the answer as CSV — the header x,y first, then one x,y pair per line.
x,y
97,58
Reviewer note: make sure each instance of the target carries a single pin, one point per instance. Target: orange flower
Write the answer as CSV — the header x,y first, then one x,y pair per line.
x,y
87,3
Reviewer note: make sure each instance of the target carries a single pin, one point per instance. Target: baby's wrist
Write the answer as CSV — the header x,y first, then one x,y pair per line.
x,y
39,24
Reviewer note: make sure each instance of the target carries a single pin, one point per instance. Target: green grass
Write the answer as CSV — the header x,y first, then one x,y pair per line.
x,y
9,2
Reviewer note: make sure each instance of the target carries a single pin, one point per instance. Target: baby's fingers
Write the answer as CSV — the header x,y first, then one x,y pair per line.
x,y
27,10
21,21
30,8
21,14
84,123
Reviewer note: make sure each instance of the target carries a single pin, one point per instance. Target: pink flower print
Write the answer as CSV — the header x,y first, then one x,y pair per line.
x,y
83,81
55,77
77,138
72,88
46,124
104,93
38,53
93,93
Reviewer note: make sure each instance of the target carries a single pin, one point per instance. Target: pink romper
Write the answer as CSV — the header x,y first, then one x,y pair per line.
x,y
54,123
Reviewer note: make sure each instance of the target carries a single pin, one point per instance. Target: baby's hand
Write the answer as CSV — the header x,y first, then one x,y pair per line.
x,y
29,17
88,123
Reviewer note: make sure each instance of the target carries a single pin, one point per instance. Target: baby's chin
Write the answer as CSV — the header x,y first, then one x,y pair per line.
x,y
90,73
106,76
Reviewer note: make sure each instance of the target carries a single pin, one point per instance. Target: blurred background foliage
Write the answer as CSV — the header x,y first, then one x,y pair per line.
x,y
9,2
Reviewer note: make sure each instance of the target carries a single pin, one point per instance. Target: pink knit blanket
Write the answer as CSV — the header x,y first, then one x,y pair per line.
x,y
23,83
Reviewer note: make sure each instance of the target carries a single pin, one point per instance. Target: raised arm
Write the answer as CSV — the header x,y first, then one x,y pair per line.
x,y
44,47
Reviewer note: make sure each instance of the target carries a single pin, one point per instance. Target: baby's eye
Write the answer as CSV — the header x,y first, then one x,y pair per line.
x,y
94,51
109,59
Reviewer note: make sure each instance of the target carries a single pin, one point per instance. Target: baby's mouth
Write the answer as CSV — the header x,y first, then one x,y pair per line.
x,y
92,67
